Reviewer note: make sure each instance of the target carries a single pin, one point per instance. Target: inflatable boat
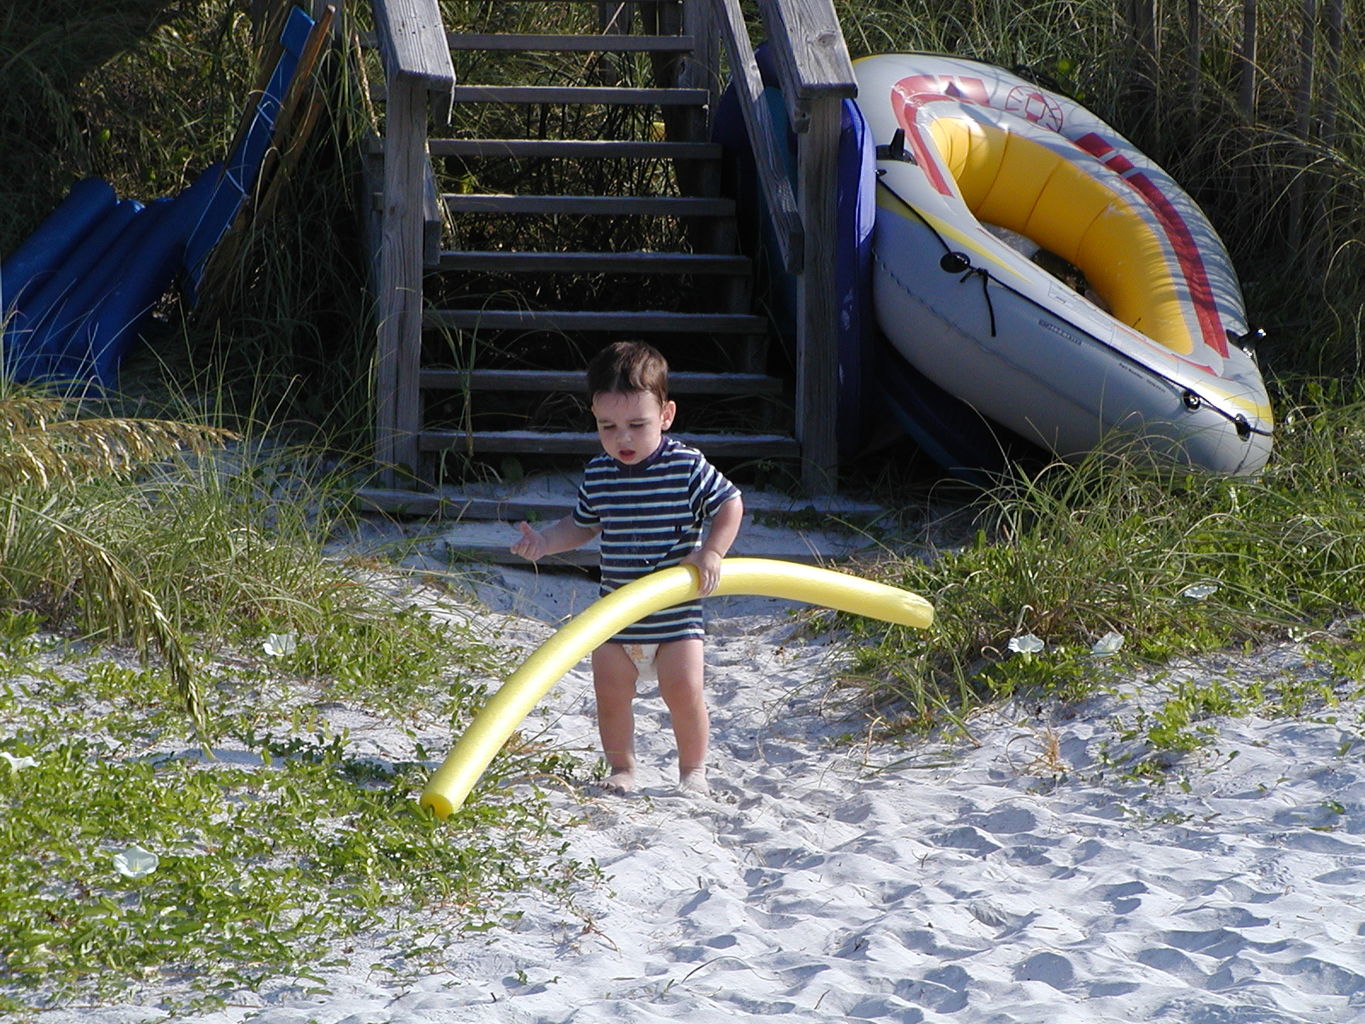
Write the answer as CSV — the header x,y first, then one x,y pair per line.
x,y
1031,262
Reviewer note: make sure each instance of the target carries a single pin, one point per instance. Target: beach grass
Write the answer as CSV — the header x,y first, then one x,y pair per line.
x,y
131,855
1071,573
275,834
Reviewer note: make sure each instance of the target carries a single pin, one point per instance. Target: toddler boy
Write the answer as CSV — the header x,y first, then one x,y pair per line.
x,y
649,496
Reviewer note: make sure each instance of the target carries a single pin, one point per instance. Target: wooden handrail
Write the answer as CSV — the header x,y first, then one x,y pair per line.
x,y
813,66
812,57
815,76
763,135
412,45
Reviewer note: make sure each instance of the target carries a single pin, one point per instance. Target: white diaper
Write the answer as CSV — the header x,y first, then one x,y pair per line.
x,y
643,656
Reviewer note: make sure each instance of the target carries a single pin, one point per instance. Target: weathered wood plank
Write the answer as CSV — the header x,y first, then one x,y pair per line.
x,y
816,75
576,149
516,42
643,321
400,279
587,95
682,382
817,298
812,57
763,139
596,262
508,507
413,44
533,442
598,206
419,77
432,218
701,71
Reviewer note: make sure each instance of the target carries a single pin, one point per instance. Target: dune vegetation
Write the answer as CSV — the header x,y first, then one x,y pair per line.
x,y
187,519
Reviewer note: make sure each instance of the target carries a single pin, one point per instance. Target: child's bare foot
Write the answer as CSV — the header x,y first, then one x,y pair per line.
x,y
693,780
619,783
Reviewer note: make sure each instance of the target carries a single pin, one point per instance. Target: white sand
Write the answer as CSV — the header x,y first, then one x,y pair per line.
x,y
829,880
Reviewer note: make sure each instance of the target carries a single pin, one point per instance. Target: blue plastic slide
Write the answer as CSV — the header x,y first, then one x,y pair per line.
x,y
39,255
75,293
38,325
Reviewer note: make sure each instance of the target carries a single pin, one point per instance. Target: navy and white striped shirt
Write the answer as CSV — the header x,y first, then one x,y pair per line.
x,y
651,515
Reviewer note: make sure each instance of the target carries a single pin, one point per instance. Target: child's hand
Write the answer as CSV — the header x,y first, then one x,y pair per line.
x,y
707,563
531,545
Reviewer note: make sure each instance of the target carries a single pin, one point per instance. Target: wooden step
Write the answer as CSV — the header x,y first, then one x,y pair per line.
x,y
596,262
601,43
588,95
511,503
490,543
591,206
641,322
679,382
574,149
534,442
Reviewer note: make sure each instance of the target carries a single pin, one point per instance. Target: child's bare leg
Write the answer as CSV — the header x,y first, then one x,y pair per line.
x,y
680,684
613,680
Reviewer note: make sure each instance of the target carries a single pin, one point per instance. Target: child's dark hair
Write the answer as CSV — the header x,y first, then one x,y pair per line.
x,y
627,366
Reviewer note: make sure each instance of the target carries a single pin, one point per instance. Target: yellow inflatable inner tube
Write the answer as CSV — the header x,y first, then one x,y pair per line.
x,y
450,785
1018,183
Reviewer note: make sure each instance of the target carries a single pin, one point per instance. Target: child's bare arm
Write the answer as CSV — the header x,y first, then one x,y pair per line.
x,y
724,529
559,536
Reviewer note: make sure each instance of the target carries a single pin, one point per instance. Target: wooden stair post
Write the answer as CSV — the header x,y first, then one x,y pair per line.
x,y
418,74
814,59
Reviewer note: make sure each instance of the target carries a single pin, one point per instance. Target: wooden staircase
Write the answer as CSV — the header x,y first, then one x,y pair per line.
x,y
497,377
563,194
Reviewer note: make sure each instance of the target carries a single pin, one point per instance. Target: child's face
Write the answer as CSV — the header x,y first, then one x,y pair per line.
x,y
630,424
